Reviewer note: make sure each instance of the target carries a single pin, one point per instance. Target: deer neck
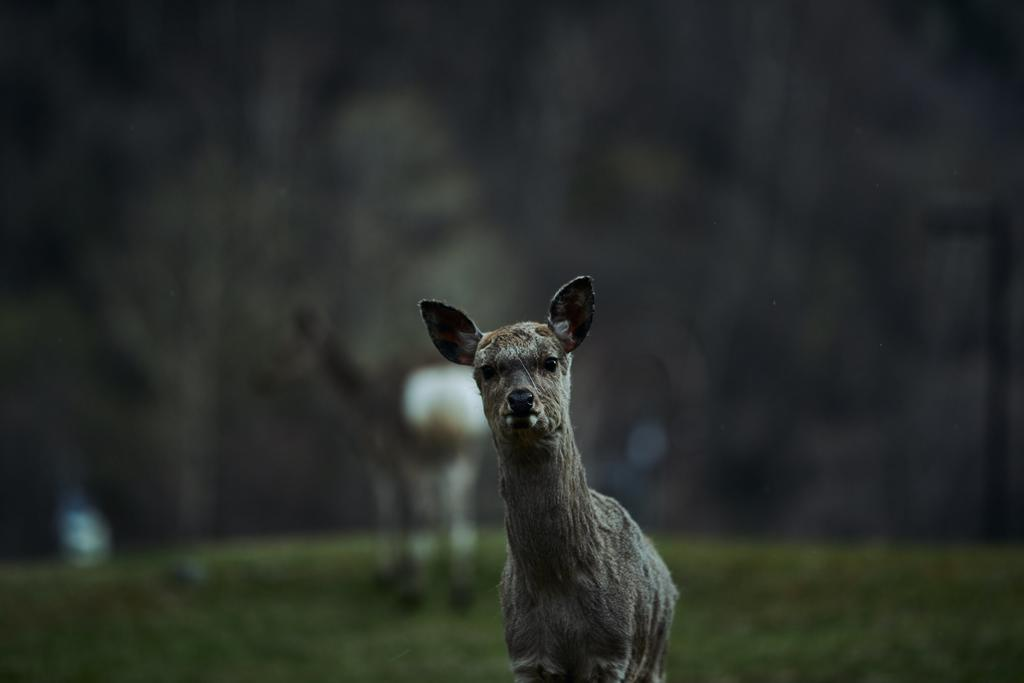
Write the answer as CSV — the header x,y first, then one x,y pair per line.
x,y
340,370
549,516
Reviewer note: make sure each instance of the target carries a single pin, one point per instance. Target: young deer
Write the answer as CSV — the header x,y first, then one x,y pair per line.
x,y
419,432
584,595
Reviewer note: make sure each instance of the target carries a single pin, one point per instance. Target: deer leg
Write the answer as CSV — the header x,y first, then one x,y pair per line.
x,y
457,499
388,546
420,544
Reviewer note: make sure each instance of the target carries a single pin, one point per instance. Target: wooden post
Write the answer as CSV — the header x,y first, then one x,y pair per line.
x,y
990,219
997,462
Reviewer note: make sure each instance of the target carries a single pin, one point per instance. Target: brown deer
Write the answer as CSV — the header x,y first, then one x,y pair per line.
x,y
420,433
584,594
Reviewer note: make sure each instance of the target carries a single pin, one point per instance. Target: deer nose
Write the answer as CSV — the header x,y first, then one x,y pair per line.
x,y
520,401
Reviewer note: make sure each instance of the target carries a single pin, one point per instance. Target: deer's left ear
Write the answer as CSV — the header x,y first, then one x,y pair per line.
x,y
451,330
572,312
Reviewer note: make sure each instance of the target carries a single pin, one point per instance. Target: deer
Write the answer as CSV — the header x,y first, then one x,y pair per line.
x,y
584,594
419,435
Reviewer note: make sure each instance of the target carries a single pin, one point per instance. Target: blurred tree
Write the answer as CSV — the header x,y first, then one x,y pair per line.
x,y
743,180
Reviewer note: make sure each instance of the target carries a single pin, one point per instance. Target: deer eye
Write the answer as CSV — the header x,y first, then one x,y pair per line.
x,y
551,364
487,371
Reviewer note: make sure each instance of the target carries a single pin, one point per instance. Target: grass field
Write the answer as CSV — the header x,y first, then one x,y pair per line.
x,y
307,611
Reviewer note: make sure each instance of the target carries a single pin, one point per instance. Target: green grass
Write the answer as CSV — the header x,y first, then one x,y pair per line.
x,y
307,611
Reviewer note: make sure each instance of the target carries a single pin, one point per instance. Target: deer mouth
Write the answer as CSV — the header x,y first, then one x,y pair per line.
x,y
528,421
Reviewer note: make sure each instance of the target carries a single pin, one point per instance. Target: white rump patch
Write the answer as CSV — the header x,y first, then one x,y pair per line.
x,y
443,395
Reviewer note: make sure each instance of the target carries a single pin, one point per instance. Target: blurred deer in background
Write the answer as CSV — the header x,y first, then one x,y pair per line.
x,y
420,433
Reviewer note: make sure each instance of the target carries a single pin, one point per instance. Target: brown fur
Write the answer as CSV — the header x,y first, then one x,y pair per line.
x,y
585,596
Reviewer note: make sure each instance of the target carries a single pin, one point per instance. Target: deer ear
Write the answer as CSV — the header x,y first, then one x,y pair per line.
x,y
451,330
572,311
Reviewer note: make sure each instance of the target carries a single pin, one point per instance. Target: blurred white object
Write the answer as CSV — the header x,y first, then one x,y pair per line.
x,y
440,397
82,531
647,443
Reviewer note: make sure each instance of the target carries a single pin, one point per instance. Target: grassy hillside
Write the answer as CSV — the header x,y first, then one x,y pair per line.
x,y
306,610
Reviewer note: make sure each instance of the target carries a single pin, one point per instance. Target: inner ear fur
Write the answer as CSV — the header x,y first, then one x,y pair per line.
x,y
451,330
572,312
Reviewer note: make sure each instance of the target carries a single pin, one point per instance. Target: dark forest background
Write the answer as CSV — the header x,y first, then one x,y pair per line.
x,y
803,219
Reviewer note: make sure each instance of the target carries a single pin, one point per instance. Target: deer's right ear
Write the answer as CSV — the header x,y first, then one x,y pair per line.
x,y
451,330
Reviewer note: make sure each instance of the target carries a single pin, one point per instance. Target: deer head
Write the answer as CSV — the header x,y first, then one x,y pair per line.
x,y
522,369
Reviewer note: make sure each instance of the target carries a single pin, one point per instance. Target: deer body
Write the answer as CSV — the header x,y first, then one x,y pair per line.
x,y
441,405
419,436
585,596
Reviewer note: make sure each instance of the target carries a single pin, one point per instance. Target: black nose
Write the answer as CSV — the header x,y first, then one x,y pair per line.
x,y
520,401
